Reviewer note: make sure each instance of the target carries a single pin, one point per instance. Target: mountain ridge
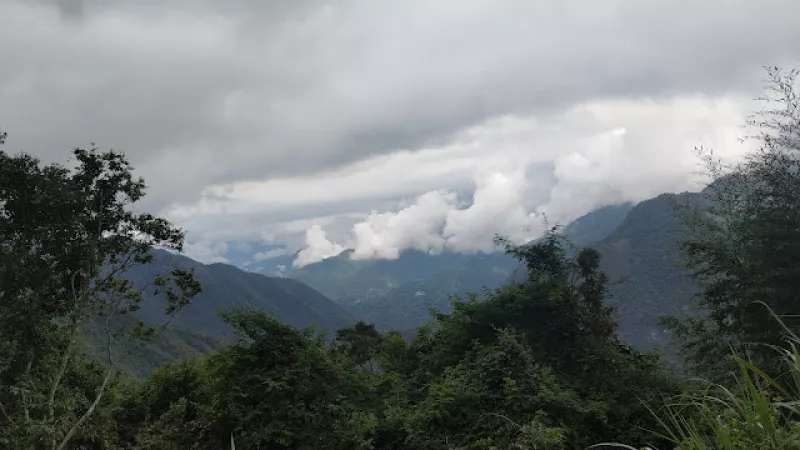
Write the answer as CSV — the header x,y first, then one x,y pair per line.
x,y
226,286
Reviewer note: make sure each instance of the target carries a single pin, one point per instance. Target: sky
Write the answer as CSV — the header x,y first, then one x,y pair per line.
x,y
266,128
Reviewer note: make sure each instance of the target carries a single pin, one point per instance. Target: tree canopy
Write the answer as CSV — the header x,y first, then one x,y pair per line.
x,y
67,237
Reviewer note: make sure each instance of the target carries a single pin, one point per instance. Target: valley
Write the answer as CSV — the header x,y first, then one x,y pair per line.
x,y
637,243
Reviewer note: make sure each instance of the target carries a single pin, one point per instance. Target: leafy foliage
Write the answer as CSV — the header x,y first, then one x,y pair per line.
x,y
277,388
562,325
67,236
360,342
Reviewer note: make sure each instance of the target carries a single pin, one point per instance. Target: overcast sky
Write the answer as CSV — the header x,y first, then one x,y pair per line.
x,y
388,125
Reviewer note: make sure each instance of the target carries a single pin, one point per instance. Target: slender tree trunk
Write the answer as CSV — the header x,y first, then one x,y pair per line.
x,y
88,413
51,398
60,374
27,377
100,391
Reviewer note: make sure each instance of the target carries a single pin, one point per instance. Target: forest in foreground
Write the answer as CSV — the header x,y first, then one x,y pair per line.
x,y
535,364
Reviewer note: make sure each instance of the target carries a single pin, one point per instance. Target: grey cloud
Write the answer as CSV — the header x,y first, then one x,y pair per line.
x,y
265,10
206,92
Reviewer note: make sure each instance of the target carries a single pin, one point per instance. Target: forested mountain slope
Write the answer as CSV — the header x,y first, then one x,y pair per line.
x,y
642,259
346,280
407,305
225,286
141,357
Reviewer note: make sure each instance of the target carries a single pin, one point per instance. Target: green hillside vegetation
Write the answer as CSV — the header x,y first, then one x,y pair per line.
x,y
139,358
350,281
649,278
408,305
535,364
197,329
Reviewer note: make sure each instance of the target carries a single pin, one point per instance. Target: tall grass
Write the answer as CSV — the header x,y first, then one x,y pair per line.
x,y
758,412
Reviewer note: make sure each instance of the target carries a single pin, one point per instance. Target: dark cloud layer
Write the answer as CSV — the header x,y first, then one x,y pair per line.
x,y
203,92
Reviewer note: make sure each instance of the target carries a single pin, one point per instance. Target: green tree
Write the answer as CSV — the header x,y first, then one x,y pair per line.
x,y
360,342
275,388
533,364
494,398
171,410
744,241
67,237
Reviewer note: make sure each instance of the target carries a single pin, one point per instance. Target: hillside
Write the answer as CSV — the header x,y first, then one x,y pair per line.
x,y
225,286
641,257
346,280
596,225
140,358
407,305
642,260
639,245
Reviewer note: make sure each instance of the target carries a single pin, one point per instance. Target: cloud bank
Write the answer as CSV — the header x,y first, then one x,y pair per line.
x,y
561,168
254,120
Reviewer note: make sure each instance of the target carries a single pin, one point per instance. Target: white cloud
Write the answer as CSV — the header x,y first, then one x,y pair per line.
x,y
206,252
437,220
498,207
647,148
269,254
417,226
318,247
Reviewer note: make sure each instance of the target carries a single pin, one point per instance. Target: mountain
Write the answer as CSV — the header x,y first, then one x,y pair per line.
x,y
397,294
226,286
596,225
642,259
347,280
406,306
197,329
